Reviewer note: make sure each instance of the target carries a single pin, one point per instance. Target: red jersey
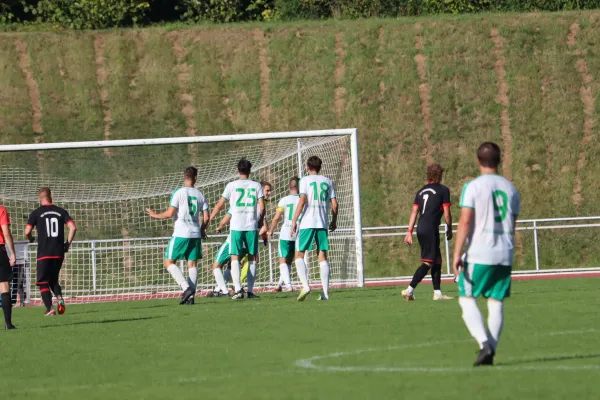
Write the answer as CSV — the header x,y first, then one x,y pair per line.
x,y
4,220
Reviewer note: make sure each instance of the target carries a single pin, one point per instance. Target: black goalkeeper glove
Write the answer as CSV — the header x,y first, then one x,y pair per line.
x,y
66,246
31,239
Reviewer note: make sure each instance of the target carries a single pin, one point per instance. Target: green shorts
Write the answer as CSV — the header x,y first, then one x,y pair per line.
x,y
287,248
184,249
489,281
308,236
243,242
223,255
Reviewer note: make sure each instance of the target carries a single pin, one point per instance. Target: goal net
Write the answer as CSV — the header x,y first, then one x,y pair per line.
x,y
107,186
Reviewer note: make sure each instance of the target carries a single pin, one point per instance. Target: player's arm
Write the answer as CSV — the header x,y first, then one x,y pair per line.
x,y
9,243
168,213
464,227
299,209
72,231
262,222
224,221
275,221
411,224
448,219
218,207
334,214
29,233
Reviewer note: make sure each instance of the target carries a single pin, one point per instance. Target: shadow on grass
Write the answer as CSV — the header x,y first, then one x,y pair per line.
x,y
550,359
104,321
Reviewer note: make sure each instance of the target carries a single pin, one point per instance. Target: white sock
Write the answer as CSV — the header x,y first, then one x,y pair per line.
x,y
438,292
227,275
178,276
473,319
193,277
495,321
235,275
284,274
302,273
251,275
324,266
410,289
218,273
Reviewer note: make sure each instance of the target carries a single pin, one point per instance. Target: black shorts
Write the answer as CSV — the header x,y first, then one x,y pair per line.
x,y
430,246
48,270
6,272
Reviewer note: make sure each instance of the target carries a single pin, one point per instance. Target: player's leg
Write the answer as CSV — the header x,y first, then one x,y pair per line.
x,y
43,277
304,242
286,255
176,250
6,276
289,261
252,246
193,255
471,284
499,289
436,277
55,285
428,255
237,242
322,242
221,259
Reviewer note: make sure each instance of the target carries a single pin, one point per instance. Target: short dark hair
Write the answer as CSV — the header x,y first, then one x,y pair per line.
x,y
45,192
265,183
294,183
244,166
434,173
190,173
314,163
489,155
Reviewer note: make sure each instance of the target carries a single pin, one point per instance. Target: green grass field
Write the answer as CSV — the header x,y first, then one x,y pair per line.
x,y
362,344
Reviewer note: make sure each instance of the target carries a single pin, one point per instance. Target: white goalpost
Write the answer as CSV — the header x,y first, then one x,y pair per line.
x,y
107,185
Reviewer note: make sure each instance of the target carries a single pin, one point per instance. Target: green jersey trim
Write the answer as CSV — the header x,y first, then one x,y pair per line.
x,y
462,195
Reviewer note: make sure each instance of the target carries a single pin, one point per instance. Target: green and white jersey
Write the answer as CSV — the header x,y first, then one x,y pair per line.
x,y
243,195
190,204
319,191
287,206
496,203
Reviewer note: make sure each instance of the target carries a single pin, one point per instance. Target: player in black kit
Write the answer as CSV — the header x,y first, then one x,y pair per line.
x,y
50,221
431,202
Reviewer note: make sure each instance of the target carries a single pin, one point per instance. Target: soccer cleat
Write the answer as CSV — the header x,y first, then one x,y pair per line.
x,y
323,297
442,297
288,289
61,307
189,292
238,296
251,295
303,294
408,296
9,327
218,293
278,289
485,356
190,301
50,313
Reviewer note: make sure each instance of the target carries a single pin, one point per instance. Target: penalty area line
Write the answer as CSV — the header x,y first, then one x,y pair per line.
x,y
309,363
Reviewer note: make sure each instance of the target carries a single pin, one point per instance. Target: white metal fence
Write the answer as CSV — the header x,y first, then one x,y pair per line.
x,y
93,253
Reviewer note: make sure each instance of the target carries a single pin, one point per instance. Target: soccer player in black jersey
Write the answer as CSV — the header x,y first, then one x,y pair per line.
x,y
50,221
431,202
6,264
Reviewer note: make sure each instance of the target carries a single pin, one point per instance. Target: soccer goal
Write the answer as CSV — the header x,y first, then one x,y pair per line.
x,y
107,185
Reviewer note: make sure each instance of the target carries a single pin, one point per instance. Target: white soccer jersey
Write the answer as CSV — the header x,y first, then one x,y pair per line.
x,y
319,191
243,195
288,206
190,204
496,202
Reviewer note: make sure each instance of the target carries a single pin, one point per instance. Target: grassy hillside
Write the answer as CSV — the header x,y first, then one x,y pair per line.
x,y
418,90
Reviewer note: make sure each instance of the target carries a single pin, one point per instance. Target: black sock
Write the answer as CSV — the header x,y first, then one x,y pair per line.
x,y
7,308
419,275
46,296
56,289
436,276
